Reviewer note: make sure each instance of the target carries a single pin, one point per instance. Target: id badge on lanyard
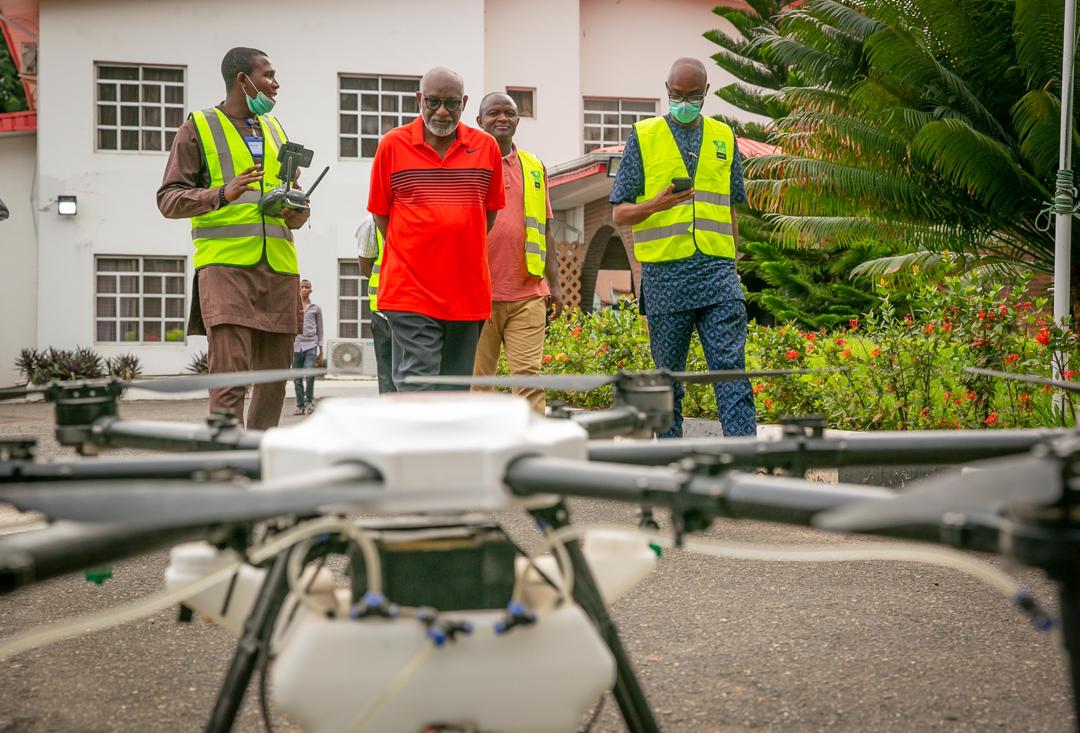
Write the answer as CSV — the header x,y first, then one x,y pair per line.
x,y
255,147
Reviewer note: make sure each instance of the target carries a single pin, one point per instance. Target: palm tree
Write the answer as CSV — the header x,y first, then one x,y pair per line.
x,y
928,124
740,56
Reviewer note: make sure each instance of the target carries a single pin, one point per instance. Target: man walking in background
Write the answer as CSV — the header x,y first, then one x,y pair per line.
x,y
307,350
679,176
246,294
436,186
521,257
370,251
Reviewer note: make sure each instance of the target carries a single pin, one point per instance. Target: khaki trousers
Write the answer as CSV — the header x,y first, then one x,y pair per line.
x,y
518,325
235,348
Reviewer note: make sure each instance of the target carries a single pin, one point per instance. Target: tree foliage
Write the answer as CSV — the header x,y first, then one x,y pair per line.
x,y
12,95
928,125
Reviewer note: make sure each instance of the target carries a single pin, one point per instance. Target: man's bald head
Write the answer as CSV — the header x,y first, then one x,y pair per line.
x,y
501,97
441,99
688,72
442,82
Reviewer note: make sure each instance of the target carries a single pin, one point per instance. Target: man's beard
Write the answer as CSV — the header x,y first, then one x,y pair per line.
x,y
442,130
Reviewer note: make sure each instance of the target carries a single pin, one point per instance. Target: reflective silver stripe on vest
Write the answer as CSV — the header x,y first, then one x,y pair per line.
x,y
532,222
719,227
720,199
372,290
228,170
272,129
375,269
672,230
233,231
247,197
532,248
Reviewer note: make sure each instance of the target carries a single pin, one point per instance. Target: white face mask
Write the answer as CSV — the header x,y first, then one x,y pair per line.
x,y
440,128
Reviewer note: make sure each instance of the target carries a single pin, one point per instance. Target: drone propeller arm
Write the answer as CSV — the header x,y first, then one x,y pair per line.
x,y
900,447
66,547
235,463
113,432
735,494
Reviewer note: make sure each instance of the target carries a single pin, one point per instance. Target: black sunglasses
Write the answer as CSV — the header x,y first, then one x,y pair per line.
x,y
433,103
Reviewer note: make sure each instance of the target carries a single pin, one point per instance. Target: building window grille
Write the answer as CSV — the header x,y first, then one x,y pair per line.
x,y
371,106
354,310
525,99
139,108
609,121
139,299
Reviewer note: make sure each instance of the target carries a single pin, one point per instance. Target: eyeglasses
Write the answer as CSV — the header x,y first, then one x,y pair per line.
x,y
451,104
696,99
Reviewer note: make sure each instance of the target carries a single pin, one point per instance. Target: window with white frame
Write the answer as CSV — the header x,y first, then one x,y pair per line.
x,y
609,121
139,299
354,309
138,107
371,106
525,99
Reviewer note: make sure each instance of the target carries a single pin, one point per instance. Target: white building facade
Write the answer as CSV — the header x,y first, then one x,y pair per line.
x,y
116,77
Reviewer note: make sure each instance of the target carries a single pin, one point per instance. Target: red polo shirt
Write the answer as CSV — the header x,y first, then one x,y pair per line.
x,y
436,259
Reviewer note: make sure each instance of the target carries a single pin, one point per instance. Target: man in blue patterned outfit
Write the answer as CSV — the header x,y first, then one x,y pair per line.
x,y
686,240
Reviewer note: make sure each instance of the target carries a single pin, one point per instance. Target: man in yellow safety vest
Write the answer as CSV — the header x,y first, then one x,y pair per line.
x,y
370,251
246,292
525,289
679,177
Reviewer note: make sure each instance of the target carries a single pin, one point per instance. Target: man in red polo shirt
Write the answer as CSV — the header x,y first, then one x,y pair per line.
x,y
436,186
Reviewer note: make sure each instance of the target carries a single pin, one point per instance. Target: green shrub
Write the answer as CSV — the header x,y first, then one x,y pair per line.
x,y
125,366
902,369
60,364
174,334
200,364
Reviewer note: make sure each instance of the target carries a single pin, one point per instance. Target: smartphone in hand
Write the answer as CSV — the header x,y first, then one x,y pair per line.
x,y
680,184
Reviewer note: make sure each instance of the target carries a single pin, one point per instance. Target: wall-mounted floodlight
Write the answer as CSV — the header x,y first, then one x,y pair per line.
x,y
613,165
67,205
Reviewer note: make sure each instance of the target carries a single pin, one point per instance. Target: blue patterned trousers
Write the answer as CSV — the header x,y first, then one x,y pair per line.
x,y
722,329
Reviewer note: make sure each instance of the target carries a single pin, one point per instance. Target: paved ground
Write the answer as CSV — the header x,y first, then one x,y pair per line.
x,y
720,646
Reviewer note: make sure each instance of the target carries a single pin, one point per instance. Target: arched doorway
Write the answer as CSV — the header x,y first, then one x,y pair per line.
x,y
606,273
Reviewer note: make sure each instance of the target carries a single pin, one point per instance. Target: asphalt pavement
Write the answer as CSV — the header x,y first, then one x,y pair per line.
x,y
719,645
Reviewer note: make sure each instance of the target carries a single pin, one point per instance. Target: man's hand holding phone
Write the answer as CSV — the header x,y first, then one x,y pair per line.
x,y
675,194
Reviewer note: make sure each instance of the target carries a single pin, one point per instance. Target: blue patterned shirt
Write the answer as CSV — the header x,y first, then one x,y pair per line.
x,y
696,281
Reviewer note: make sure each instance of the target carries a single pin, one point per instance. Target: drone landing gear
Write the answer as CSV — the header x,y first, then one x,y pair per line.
x,y
634,707
251,646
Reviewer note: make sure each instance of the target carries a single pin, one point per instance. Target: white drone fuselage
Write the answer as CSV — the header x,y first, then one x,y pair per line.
x,y
436,453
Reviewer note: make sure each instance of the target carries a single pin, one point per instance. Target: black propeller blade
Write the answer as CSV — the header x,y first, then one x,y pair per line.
x,y
176,504
588,382
1029,378
177,385
199,382
1034,479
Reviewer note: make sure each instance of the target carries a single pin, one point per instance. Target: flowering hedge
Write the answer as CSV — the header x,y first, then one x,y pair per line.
x,y
903,370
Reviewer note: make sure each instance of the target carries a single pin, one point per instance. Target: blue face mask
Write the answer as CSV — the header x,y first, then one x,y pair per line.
x,y
260,104
684,112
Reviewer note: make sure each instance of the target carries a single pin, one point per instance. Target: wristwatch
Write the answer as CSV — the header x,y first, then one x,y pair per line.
x,y
221,197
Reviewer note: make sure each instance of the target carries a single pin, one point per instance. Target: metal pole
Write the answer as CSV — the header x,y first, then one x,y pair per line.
x,y
1064,196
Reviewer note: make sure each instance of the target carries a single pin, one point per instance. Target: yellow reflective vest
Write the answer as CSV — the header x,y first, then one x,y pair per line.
x,y
702,223
534,189
373,278
236,234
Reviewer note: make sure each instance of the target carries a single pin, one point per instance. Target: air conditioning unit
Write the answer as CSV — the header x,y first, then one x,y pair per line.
x,y
351,354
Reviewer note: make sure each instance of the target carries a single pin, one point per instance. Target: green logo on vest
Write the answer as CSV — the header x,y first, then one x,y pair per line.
x,y
721,149
538,179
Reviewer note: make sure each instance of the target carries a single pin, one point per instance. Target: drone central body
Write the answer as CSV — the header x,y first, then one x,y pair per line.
x,y
434,452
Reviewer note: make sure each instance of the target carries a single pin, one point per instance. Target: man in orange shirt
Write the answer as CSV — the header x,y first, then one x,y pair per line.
x,y
436,186
520,296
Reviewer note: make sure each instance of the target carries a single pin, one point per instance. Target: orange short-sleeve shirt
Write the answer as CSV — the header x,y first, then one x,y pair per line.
x,y
436,260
